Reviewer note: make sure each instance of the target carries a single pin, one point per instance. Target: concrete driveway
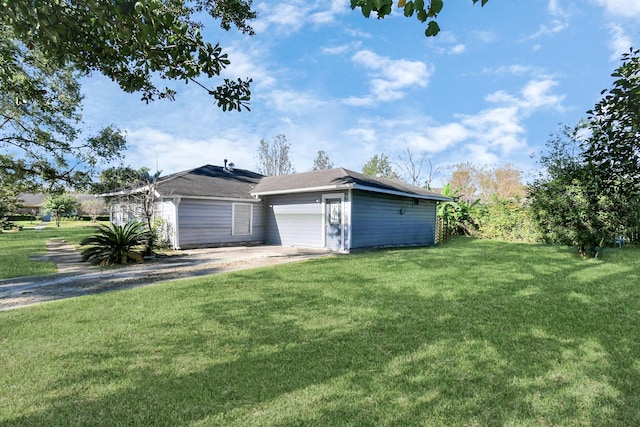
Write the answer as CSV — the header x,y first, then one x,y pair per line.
x,y
76,278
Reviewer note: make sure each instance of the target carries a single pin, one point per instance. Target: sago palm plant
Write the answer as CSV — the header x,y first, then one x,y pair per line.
x,y
114,244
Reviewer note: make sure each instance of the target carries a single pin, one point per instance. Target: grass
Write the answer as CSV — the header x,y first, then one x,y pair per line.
x,y
474,332
16,247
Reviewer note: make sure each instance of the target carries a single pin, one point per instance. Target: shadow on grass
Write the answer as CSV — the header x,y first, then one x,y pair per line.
x,y
479,333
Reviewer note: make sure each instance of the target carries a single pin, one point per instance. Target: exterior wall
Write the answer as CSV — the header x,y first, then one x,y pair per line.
x,y
203,223
376,220
123,211
294,220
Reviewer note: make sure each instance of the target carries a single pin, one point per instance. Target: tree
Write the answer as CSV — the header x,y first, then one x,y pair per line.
x,y
567,200
273,157
40,121
590,193
612,149
93,208
63,204
322,161
411,164
487,183
424,10
12,183
380,166
131,42
117,178
456,213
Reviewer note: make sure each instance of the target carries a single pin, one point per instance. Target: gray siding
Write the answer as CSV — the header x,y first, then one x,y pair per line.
x,y
376,221
294,220
205,223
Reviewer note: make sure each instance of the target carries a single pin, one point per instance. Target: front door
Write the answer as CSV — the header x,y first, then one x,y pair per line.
x,y
333,224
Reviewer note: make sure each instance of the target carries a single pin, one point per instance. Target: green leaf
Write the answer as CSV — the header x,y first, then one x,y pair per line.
x,y
436,7
418,5
366,10
408,9
432,29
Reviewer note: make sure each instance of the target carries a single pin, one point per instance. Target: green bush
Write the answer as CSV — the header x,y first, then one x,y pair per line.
x,y
114,244
507,220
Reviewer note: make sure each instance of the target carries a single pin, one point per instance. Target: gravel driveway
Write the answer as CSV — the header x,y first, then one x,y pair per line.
x,y
76,278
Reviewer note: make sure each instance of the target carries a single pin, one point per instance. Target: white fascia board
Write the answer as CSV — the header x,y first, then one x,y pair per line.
x,y
400,193
304,190
127,192
353,187
226,199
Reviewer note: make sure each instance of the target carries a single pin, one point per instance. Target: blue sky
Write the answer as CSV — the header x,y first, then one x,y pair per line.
x,y
489,89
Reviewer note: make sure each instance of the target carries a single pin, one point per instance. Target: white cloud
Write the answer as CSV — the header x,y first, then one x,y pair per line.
x,y
457,49
436,139
175,154
534,95
362,134
389,78
559,23
517,70
490,134
336,7
621,8
555,10
292,101
537,94
484,36
556,26
284,17
291,16
480,154
246,62
341,49
620,42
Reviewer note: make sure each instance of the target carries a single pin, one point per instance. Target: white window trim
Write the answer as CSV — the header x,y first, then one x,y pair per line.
x,y
233,219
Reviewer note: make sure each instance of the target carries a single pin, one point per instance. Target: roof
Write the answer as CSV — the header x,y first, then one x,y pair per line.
x,y
340,178
32,199
36,200
206,181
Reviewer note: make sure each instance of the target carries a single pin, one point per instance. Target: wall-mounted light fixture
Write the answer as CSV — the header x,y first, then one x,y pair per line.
x,y
401,211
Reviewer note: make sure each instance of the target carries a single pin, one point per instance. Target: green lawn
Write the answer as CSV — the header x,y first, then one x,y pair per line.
x,y
17,246
473,332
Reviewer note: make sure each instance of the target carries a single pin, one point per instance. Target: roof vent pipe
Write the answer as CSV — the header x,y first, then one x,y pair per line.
x,y
225,163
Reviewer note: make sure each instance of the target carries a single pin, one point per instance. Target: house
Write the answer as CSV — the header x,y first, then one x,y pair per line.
x,y
31,204
342,210
334,209
205,206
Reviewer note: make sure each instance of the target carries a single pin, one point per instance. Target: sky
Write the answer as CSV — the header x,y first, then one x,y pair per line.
x,y
490,89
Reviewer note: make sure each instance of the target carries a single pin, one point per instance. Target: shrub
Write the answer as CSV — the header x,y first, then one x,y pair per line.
x,y
507,219
161,231
114,244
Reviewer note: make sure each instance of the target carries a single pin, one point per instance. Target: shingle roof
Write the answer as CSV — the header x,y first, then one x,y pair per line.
x,y
33,200
209,181
340,178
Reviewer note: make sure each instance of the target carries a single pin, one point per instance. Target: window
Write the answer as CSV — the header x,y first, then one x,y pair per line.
x,y
335,211
242,214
